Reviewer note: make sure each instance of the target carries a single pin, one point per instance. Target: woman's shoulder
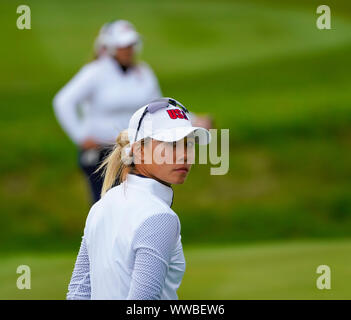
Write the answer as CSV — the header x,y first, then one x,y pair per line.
x,y
151,203
96,66
157,210
144,67
135,204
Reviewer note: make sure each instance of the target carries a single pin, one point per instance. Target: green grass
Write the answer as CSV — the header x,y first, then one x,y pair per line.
x,y
285,270
262,68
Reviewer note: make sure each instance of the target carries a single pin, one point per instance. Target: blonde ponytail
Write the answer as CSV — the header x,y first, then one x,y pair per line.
x,y
117,164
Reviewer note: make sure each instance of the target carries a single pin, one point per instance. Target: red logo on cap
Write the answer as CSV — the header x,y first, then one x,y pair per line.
x,y
176,113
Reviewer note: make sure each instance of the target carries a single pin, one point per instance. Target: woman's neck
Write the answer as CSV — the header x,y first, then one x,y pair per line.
x,y
145,174
123,67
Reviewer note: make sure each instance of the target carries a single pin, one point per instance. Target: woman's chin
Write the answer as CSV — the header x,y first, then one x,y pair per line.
x,y
179,177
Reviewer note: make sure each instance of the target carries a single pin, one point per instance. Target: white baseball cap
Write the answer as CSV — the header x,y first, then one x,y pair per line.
x,y
117,34
164,119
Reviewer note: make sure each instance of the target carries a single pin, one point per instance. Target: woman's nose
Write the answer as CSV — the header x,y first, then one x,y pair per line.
x,y
183,154
179,152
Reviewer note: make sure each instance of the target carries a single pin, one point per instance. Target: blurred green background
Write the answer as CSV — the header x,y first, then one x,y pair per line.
x,y
263,70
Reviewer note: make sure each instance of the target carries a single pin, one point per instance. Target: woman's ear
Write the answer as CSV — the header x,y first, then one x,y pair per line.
x,y
138,150
137,154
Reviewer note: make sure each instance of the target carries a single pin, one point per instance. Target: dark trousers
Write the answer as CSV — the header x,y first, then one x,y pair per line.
x,y
89,161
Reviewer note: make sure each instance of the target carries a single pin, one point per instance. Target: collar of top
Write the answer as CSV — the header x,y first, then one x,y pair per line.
x,y
157,188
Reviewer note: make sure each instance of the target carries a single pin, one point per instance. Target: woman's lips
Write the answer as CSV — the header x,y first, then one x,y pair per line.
x,y
183,169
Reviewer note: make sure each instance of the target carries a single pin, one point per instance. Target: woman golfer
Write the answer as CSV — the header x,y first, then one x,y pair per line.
x,y
97,103
131,247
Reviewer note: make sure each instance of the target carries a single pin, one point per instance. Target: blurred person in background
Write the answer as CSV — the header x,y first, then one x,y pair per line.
x,y
97,103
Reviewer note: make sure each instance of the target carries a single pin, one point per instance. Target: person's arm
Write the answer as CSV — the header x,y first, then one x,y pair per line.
x,y
79,286
153,244
67,100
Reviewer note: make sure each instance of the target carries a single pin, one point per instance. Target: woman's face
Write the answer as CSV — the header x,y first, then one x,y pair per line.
x,y
125,56
169,162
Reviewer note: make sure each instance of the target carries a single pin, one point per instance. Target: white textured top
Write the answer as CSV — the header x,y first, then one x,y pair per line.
x,y
131,245
150,268
100,99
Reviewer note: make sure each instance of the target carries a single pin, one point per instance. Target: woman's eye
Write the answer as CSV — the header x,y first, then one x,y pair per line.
x,y
174,144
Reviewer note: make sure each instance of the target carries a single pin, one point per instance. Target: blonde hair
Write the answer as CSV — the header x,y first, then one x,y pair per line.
x,y
118,164
115,166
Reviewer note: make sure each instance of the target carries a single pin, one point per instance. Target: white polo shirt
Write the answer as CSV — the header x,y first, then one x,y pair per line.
x,y
110,235
100,99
